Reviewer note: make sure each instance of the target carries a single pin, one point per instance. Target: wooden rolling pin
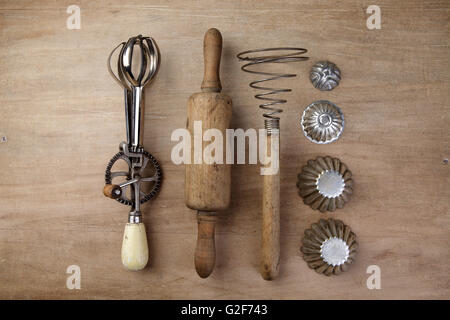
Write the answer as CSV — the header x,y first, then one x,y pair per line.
x,y
208,186
270,249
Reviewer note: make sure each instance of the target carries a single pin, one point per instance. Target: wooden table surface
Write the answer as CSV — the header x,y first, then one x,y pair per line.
x,y
62,118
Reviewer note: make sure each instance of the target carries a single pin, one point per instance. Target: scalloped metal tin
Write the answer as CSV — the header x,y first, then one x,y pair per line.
x,y
325,75
325,184
329,247
322,122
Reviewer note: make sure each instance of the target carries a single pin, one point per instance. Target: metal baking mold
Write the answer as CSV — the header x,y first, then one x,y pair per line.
x,y
322,122
325,184
329,247
325,75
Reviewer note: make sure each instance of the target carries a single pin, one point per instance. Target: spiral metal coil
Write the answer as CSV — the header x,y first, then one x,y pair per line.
x,y
274,55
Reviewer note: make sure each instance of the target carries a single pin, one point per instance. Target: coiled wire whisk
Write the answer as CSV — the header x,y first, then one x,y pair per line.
x,y
274,55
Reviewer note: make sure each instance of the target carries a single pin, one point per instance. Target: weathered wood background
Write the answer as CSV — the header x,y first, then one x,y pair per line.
x,y
62,119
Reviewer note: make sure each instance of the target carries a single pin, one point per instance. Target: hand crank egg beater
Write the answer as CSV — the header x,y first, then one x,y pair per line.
x,y
133,176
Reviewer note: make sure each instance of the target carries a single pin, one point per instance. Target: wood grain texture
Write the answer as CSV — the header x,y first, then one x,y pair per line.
x,y
270,231
208,186
205,249
212,53
208,179
58,101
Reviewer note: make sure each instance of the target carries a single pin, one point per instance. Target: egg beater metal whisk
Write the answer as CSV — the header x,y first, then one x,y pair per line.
x,y
133,176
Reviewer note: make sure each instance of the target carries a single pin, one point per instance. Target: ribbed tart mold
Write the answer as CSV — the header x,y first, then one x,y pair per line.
x,y
325,184
322,122
329,247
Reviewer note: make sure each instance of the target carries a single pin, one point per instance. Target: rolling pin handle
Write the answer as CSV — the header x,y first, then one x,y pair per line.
x,y
205,251
212,52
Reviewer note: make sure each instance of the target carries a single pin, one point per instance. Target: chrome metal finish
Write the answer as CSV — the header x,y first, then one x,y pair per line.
x,y
135,216
137,65
147,63
138,117
322,122
334,251
325,75
127,183
330,184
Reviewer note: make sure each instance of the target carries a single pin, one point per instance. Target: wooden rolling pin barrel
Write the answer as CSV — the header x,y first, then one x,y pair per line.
x,y
208,185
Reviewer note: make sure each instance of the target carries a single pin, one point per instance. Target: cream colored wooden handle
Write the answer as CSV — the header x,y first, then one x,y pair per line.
x,y
212,51
205,251
270,224
134,247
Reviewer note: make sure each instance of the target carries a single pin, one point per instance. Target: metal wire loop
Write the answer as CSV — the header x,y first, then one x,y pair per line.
x,y
256,57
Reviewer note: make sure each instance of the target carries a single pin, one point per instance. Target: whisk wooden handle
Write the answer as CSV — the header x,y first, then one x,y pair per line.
x,y
212,51
270,250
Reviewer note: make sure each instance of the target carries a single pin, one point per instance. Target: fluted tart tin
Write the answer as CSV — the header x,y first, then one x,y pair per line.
x,y
329,247
325,75
325,184
322,122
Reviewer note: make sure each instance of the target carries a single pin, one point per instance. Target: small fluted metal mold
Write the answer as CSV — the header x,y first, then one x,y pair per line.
x,y
322,122
325,184
325,75
329,247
